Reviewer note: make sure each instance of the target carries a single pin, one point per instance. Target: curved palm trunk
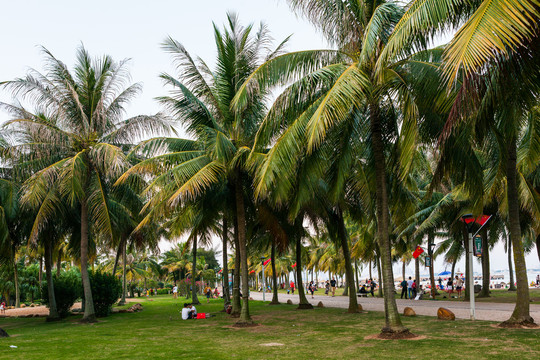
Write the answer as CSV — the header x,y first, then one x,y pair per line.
x,y
349,271
124,285
304,303
521,313
89,313
225,272
194,298
59,262
236,304
510,265
275,300
245,318
53,311
392,320
485,265
117,257
16,282
379,274
431,270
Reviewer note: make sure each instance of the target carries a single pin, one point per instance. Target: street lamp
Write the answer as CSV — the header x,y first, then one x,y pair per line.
x,y
264,285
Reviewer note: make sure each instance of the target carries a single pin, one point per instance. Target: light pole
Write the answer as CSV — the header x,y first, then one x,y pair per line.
x,y
469,220
263,281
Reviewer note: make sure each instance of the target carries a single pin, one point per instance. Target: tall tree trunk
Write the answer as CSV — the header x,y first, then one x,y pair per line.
x,y
236,304
510,265
357,283
16,281
453,272
53,311
194,298
431,270
89,313
40,273
117,257
467,264
380,292
124,285
275,300
59,262
304,303
403,269
225,272
417,272
521,313
538,246
245,318
486,276
393,322
344,238
370,268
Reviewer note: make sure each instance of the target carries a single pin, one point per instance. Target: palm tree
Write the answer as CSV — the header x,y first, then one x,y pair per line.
x,y
344,86
72,142
223,138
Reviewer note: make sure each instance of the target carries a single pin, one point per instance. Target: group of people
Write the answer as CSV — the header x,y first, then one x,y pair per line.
x,y
368,287
189,311
207,292
330,286
410,288
3,307
413,289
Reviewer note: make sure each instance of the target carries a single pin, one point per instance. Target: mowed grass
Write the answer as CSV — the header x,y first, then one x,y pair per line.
x,y
158,333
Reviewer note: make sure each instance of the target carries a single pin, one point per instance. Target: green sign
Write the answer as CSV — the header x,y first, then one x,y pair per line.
x,y
428,261
477,245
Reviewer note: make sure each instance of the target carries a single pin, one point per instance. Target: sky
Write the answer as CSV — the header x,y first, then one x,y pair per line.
x,y
134,29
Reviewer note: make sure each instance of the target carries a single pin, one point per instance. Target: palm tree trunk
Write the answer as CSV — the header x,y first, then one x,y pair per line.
x,y
417,272
304,303
275,300
510,265
357,284
53,311
40,273
236,305
485,265
392,320
117,257
370,267
538,246
349,271
124,285
245,318
521,314
379,272
225,272
59,262
403,268
89,313
453,274
16,281
194,298
431,270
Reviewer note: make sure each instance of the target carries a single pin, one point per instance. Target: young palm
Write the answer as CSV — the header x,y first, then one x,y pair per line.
x,y
73,142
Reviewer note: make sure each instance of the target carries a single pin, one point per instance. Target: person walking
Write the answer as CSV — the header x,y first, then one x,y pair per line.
x,y
333,286
409,287
327,287
537,280
311,288
208,293
404,288
414,288
372,285
292,287
175,292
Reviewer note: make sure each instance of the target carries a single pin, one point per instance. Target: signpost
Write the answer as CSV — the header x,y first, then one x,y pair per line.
x,y
469,220
477,246
428,261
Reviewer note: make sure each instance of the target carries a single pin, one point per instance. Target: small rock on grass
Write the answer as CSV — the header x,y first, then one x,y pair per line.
x,y
289,302
445,314
320,304
408,311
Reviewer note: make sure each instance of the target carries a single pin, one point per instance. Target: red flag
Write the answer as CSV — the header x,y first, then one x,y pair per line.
x,y
266,262
219,272
482,219
294,265
417,252
252,271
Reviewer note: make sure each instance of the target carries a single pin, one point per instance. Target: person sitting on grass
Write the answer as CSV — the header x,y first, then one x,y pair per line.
x,y
189,312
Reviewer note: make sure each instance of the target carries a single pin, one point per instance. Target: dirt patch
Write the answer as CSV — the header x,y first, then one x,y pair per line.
x,y
516,326
272,344
399,336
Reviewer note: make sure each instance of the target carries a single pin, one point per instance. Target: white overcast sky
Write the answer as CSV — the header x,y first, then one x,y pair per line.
x,y
134,29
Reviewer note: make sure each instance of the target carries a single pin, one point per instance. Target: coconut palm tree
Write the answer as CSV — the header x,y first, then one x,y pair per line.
x,y
73,142
223,139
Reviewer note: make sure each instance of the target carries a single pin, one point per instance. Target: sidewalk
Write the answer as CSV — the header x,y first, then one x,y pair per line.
x,y
484,311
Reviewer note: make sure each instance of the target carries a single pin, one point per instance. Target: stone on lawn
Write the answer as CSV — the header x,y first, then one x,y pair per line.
x,y
320,304
445,314
289,302
408,311
360,308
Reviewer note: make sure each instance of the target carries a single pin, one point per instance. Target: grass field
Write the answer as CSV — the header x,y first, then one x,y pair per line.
x,y
158,333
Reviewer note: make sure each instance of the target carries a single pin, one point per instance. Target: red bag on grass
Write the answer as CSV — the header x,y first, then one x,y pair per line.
x,y
201,316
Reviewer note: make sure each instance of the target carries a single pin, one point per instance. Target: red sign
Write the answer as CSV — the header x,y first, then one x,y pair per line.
x,y
266,262
252,271
294,265
417,252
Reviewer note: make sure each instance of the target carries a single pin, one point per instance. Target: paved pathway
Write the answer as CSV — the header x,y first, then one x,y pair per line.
x,y
484,311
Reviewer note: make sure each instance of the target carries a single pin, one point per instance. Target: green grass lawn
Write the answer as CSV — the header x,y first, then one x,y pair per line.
x,y
158,333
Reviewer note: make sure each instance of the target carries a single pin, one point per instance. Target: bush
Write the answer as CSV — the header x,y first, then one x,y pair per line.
x,y
162,291
106,290
67,289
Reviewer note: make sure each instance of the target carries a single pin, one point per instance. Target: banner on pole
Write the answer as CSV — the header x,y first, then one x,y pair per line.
x,y
417,252
477,246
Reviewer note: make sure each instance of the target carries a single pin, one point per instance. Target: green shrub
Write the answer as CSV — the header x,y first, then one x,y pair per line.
x,y
162,291
106,290
67,289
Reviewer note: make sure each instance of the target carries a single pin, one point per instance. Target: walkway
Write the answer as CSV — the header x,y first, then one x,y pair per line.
x,y
484,311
